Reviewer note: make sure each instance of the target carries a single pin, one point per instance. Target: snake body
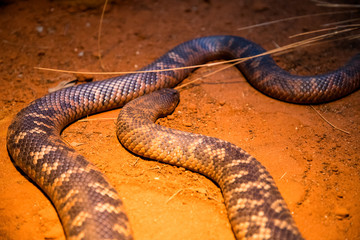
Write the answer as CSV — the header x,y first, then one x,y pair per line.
x,y
255,207
88,206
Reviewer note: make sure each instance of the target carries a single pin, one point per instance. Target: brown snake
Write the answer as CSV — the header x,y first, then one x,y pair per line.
x,y
89,208
255,207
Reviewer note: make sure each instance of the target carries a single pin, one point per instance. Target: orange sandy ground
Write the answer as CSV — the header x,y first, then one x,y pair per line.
x,y
315,166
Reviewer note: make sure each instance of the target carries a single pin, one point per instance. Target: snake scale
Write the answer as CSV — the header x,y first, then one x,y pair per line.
x,y
90,208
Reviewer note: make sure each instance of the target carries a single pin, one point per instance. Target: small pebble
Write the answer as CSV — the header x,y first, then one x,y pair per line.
x,y
95,54
341,213
201,190
187,124
76,144
41,53
39,29
170,117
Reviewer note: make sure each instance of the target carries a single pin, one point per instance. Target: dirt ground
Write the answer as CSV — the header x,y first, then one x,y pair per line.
x,y
315,166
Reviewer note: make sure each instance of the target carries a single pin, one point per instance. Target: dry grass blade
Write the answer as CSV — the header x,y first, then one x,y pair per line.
x,y
283,176
209,74
99,35
293,18
332,125
321,37
283,49
176,193
332,40
351,27
354,37
314,31
306,42
336,5
341,22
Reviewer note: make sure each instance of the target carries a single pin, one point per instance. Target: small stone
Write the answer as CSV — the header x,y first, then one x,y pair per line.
x,y
95,54
83,77
202,190
335,169
170,117
222,102
187,124
76,144
39,29
41,53
341,213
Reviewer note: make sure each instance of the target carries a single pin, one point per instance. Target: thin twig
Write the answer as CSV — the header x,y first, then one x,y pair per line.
x,y
285,48
283,176
177,192
314,31
156,167
293,18
99,35
351,26
332,125
337,5
309,41
135,163
207,75
341,22
354,37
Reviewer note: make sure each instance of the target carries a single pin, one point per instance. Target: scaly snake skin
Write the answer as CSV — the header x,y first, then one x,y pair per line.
x,y
255,207
89,208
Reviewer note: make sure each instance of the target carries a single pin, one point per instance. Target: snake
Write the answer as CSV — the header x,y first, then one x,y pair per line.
x,y
86,203
255,207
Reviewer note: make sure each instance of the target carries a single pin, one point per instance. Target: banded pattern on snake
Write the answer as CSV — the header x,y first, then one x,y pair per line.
x,y
89,208
255,207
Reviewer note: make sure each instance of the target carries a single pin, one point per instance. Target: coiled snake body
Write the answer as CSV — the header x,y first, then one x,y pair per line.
x,y
255,206
89,208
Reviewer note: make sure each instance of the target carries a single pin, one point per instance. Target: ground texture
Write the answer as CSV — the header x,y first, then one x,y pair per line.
x,y
315,166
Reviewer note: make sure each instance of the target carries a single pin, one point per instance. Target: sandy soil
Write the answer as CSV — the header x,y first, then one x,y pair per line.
x,y
315,166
